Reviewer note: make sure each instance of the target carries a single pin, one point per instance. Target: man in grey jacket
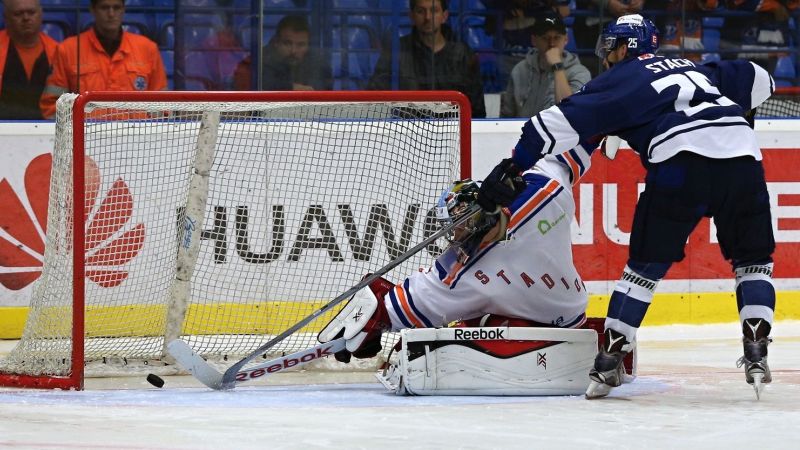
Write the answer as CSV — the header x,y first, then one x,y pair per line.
x,y
546,75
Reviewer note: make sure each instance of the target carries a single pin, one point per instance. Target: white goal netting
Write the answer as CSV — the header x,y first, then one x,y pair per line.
x,y
225,223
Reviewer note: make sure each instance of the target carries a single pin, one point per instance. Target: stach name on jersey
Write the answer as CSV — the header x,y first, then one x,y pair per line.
x,y
667,64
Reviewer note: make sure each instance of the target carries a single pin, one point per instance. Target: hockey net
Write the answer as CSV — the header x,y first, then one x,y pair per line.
x,y
784,103
225,218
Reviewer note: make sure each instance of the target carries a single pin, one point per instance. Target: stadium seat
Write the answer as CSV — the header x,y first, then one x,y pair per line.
x,y
572,45
352,38
168,56
55,30
166,37
711,38
245,34
785,70
474,33
351,4
64,20
278,4
196,34
138,23
469,5
713,22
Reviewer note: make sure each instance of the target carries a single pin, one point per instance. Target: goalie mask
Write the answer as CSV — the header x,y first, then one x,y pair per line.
x,y
466,238
640,35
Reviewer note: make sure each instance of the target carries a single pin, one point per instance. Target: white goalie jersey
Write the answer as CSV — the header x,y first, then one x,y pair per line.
x,y
530,275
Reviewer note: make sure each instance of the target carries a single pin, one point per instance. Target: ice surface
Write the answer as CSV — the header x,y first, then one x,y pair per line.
x,y
689,394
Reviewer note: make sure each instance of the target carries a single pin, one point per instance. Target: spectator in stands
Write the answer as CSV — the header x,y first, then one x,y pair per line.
x,y
289,63
431,59
518,18
546,75
586,28
110,59
25,58
766,28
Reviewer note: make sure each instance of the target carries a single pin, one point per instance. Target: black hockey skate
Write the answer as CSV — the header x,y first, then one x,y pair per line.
x,y
755,342
608,371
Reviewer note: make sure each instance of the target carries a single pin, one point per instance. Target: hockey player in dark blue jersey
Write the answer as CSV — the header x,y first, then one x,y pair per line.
x,y
687,122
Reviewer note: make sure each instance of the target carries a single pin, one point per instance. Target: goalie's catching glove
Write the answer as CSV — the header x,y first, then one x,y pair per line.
x,y
361,322
501,186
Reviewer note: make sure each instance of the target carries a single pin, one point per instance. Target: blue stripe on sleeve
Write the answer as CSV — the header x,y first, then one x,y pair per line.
x,y
410,299
398,310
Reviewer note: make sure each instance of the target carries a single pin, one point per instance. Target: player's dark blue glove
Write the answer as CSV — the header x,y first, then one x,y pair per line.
x,y
501,186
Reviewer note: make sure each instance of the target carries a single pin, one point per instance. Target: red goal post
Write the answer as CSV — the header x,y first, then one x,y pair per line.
x,y
165,202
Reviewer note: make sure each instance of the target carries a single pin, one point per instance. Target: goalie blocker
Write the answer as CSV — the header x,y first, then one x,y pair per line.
x,y
504,360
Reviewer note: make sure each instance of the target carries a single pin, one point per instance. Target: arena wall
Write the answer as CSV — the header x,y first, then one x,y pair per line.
x,y
698,290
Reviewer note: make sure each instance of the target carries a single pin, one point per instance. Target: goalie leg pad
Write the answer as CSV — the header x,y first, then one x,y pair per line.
x,y
361,322
492,361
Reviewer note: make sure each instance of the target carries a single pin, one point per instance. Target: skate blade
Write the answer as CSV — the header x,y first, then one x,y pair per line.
x,y
597,390
758,386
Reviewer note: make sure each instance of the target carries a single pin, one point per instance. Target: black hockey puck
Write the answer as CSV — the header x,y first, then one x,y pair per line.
x,y
155,380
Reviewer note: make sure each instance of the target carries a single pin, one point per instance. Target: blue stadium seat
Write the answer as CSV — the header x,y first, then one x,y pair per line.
x,y
196,34
474,33
713,22
470,4
245,34
350,4
168,56
65,20
279,4
711,38
353,38
572,45
784,68
138,23
166,37
55,30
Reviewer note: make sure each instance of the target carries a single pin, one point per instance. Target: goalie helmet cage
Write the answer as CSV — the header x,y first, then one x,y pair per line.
x,y
224,218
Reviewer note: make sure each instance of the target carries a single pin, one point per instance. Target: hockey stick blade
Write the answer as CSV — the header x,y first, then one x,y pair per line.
x,y
195,364
209,376
229,377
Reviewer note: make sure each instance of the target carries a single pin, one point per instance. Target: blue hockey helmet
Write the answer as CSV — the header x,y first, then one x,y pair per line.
x,y
640,35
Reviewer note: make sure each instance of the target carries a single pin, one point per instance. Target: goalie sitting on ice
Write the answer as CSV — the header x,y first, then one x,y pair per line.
x,y
508,279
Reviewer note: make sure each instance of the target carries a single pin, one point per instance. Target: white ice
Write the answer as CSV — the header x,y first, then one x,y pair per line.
x,y
689,394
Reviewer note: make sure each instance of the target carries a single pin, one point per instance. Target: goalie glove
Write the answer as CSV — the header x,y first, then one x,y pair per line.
x,y
501,186
361,322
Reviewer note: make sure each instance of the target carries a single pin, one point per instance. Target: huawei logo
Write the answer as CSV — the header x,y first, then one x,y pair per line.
x,y
111,241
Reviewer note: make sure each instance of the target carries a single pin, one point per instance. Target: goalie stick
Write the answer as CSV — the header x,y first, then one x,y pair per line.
x,y
212,378
209,376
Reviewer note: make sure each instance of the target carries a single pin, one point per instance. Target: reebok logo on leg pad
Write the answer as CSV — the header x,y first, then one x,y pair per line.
x,y
483,333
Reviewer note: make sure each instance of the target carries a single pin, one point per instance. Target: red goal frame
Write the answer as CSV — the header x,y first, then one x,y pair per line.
x,y
75,380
